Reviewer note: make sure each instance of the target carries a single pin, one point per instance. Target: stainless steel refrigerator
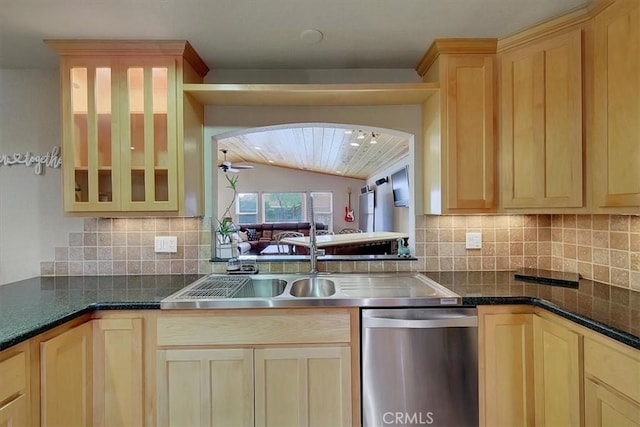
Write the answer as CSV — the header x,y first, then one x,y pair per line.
x,y
375,211
366,211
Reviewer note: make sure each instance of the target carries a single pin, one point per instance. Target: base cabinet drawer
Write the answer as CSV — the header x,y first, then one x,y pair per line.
x,y
613,364
15,413
606,408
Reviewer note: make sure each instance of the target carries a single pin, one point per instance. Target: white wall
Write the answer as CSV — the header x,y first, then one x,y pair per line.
x,y
273,179
31,219
317,76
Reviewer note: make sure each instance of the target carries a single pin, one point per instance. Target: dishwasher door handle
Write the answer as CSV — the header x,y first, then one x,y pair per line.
x,y
450,322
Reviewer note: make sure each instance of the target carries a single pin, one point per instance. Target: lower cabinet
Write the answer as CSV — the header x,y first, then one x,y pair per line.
x,y
118,398
557,374
612,383
65,378
206,387
308,386
15,412
539,369
506,366
14,386
258,368
247,387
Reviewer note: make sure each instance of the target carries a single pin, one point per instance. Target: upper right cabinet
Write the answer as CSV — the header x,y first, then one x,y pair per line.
x,y
541,143
615,132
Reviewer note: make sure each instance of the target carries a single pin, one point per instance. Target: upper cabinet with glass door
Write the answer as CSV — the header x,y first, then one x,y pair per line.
x,y
132,142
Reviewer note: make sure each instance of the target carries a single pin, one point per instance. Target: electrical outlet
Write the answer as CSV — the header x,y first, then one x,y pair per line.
x,y
474,240
166,244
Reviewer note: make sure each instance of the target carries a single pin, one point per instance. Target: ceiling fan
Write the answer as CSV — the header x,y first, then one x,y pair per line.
x,y
227,166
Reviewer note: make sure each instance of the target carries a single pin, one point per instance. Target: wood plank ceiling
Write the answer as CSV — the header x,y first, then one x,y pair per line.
x,y
327,150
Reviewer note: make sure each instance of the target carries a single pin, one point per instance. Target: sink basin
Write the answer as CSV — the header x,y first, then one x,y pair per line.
x,y
217,287
258,288
313,287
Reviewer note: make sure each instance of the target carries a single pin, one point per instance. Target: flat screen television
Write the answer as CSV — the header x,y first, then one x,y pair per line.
x,y
400,187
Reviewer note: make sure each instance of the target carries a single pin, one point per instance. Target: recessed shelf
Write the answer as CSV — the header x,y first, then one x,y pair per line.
x,y
312,94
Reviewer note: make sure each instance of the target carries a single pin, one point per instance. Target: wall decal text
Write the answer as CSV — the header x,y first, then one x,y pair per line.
x,y
52,159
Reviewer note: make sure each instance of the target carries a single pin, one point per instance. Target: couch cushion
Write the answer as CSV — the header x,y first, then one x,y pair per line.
x,y
252,234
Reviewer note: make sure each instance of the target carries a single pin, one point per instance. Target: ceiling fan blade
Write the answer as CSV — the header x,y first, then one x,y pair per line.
x,y
243,166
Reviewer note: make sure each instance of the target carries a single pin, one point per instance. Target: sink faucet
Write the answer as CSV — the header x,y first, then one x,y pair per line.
x,y
313,245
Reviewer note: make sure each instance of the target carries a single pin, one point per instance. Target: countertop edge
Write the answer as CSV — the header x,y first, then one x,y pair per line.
x,y
594,325
603,328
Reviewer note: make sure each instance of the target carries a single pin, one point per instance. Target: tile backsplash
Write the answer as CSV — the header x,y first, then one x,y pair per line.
x,y
125,246
605,248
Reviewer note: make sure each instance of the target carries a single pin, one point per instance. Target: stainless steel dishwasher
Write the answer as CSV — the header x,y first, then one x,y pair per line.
x,y
420,367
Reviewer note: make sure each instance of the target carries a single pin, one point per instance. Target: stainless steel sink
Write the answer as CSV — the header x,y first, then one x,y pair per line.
x,y
300,290
313,287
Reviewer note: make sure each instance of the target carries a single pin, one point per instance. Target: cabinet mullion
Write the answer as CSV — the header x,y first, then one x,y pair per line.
x,y
149,137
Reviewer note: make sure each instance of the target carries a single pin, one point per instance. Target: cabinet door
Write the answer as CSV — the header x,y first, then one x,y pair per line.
x,y
118,372
606,408
148,121
616,124
65,378
208,387
469,135
14,413
303,386
558,374
91,143
541,113
506,369
120,138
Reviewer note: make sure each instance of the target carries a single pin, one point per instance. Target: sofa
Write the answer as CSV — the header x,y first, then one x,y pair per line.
x,y
264,235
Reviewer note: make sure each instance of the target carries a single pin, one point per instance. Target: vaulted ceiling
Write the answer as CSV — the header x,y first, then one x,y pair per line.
x,y
329,150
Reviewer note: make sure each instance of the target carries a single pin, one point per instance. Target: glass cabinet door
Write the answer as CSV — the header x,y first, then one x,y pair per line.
x,y
149,135
91,144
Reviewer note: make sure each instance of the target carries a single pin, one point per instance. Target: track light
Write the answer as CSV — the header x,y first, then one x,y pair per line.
x,y
374,139
360,135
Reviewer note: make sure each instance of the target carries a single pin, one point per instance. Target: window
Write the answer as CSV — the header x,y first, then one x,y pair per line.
x,y
247,208
284,207
323,208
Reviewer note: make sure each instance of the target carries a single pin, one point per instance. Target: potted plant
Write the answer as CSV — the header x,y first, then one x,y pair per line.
x,y
226,227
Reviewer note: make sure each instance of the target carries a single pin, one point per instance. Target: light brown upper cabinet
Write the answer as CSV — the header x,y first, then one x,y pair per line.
x,y
132,142
459,126
615,141
541,148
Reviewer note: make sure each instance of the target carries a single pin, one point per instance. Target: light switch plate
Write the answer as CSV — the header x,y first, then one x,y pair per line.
x,y
166,244
474,240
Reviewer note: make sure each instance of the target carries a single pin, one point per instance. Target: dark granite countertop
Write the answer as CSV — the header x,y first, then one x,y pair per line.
x,y
610,310
30,307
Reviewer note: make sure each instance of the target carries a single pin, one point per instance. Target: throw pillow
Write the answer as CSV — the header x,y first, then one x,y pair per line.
x,y
252,234
243,236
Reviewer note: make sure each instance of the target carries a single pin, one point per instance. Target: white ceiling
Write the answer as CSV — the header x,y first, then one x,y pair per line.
x,y
253,34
